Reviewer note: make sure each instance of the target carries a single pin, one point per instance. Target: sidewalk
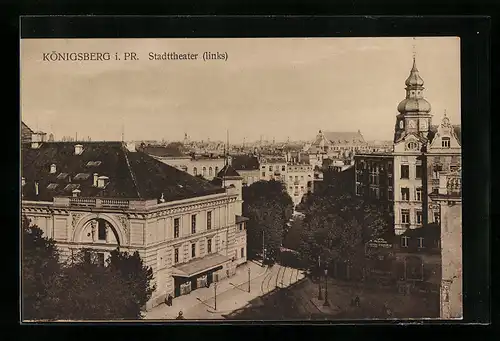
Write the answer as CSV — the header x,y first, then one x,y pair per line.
x,y
202,295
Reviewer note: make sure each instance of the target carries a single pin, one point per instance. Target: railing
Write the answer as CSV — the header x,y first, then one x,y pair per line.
x,y
83,202
98,202
114,203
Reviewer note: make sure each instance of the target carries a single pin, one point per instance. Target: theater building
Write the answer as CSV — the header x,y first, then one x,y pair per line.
x,y
107,195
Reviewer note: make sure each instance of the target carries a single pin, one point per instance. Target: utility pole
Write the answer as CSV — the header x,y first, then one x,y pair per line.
x,y
320,296
249,279
263,248
215,296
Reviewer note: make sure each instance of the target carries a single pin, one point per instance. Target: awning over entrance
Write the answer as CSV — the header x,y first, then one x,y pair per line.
x,y
241,219
198,266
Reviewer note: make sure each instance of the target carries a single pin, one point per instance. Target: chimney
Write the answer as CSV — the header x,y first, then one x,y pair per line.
x,y
76,192
95,179
162,199
78,149
36,187
53,168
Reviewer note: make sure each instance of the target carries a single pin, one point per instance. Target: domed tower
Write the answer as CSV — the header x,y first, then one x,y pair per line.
x,y
414,111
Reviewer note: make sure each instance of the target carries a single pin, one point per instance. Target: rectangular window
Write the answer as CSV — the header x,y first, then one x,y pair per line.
x,y
420,242
176,227
445,142
436,217
209,220
282,168
242,252
270,168
193,250
405,193
176,256
209,246
404,241
390,194
405,216
101,230
419,217
100,259
263,174
241,227
418,172
405,171
358,190
418,194
193,224
389,168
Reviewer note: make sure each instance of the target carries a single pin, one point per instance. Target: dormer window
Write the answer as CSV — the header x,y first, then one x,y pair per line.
x,y
445,142
78,149
102,181
53,169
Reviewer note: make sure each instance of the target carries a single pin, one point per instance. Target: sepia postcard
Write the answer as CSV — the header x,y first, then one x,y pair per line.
x,y
280,179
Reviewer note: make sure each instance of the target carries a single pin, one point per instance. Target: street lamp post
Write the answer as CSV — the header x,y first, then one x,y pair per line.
x,y
320,296
215,296
248,279
326,304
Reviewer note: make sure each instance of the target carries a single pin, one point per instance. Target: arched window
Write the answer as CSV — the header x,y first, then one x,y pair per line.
x,y
216,170
210,171
195,171
204,172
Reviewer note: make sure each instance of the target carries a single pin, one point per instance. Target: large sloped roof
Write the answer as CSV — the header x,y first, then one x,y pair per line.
x,y
26,132
344,137
132,175
245,162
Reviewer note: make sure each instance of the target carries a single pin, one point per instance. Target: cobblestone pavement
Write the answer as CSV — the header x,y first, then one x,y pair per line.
x,y
232,293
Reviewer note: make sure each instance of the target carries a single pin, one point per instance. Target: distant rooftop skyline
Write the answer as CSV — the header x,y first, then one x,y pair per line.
x,y
279,88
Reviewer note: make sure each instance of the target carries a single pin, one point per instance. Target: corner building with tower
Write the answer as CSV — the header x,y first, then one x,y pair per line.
x,y
408,175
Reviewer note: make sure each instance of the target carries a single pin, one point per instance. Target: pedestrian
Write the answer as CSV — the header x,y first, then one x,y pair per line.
x,y
180,316
357,301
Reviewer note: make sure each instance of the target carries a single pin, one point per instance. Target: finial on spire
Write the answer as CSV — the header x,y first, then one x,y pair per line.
x,y
414,49
444,112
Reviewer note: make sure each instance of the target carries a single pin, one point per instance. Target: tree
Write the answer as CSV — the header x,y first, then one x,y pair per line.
x,y
269,207
94,292
40,273
136,275
338,224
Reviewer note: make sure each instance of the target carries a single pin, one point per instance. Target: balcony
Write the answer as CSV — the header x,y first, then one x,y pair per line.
x,y
454,184
99,202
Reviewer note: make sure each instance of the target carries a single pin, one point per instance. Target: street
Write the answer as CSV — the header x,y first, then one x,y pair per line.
x,y
232,294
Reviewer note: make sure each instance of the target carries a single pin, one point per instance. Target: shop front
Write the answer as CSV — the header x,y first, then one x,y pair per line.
x,y
198,273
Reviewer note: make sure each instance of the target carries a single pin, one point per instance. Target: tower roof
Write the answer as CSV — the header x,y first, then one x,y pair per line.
x,y
227,171
414,101
414,79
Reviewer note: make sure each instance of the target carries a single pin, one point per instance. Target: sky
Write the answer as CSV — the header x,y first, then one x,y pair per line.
x,y
273,87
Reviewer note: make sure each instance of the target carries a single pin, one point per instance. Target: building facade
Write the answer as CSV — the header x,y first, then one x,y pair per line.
x,y
448,200
106,195
421,153
375,176
207,167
